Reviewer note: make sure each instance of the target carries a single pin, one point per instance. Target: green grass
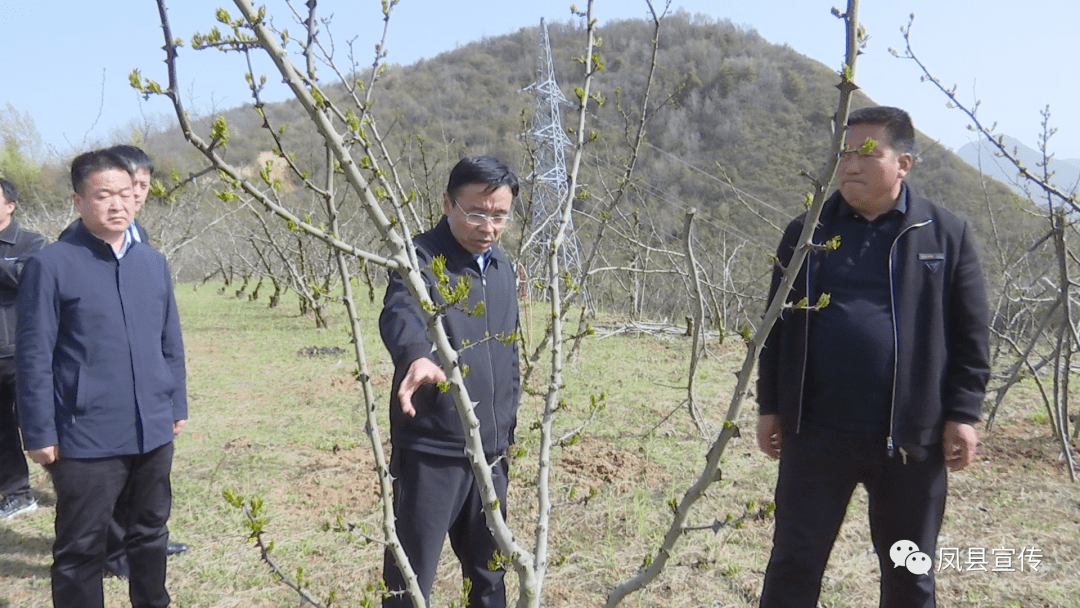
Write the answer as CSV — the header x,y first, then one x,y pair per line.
x,y
267,421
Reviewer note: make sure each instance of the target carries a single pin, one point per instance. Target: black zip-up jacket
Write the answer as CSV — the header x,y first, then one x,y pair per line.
x,y
939,311
493,378
16,244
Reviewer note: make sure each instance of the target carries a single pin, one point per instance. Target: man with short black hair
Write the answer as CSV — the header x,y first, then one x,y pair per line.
x,y
16,243
435,490
101,386
141,167
881,386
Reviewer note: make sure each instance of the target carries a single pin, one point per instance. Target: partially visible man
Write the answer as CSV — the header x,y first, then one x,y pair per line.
x,y
101,386
142,170
880,387
16,243
435,490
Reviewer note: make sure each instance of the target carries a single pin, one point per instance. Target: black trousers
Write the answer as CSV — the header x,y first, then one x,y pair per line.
x,y
14,473
434,496
86,493
116,560
818,473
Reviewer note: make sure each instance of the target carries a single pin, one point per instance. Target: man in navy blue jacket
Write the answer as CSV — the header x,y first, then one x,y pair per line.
x,y
435,490
882,386
101,386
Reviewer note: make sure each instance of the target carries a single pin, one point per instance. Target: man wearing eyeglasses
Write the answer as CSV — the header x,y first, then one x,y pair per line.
x,y
435,491
881,386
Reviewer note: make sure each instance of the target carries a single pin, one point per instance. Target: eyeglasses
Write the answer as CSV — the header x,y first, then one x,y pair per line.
x,y
478,219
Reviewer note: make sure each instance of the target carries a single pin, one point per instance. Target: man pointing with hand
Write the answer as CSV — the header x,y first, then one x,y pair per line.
x,y
435,490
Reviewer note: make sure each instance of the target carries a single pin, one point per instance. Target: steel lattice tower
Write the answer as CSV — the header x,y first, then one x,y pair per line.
x,y
550,182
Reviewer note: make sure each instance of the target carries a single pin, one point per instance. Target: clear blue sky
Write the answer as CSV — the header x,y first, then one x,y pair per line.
x,y
66,64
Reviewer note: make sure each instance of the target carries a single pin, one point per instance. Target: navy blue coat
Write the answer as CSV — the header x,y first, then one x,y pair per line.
x,y
99,352
493,379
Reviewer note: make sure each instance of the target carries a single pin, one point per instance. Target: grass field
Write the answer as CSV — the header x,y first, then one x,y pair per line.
x,y
269,420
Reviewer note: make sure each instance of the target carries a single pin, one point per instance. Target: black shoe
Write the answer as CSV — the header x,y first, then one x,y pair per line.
x,y
14,505
175,548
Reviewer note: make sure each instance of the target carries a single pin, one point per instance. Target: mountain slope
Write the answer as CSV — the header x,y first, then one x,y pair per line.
x,y
985,156
728,106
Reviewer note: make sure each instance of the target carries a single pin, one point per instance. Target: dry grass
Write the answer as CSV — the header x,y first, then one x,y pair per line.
x,y
269,422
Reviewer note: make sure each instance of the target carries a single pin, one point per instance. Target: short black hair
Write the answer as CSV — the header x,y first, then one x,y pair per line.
x,y
94,161
480,170
897,125
11,193
134,157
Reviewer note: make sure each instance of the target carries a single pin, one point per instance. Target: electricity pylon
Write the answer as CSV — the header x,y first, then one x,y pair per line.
x,y
550,182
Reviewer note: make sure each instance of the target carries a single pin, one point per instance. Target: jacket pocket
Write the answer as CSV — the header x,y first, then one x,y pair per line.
x,y
82,392
932,261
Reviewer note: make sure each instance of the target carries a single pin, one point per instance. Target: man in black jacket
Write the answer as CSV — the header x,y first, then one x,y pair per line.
x,y
16,243
883,384
435,491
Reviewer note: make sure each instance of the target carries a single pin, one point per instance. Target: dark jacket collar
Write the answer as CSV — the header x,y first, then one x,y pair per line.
x,y
10,233
916,209
919,209
901,203
78,234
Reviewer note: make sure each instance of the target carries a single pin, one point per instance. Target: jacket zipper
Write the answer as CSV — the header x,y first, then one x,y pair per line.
x,y
491,366
806,346
889,443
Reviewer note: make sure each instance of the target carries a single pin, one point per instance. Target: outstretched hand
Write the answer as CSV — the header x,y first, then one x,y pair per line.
x,y
421,371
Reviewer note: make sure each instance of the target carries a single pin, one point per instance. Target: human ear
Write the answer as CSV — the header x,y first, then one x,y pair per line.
x,y
906,161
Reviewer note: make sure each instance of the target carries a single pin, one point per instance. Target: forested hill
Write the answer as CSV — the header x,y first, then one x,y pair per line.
x,y
737,107
733,122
